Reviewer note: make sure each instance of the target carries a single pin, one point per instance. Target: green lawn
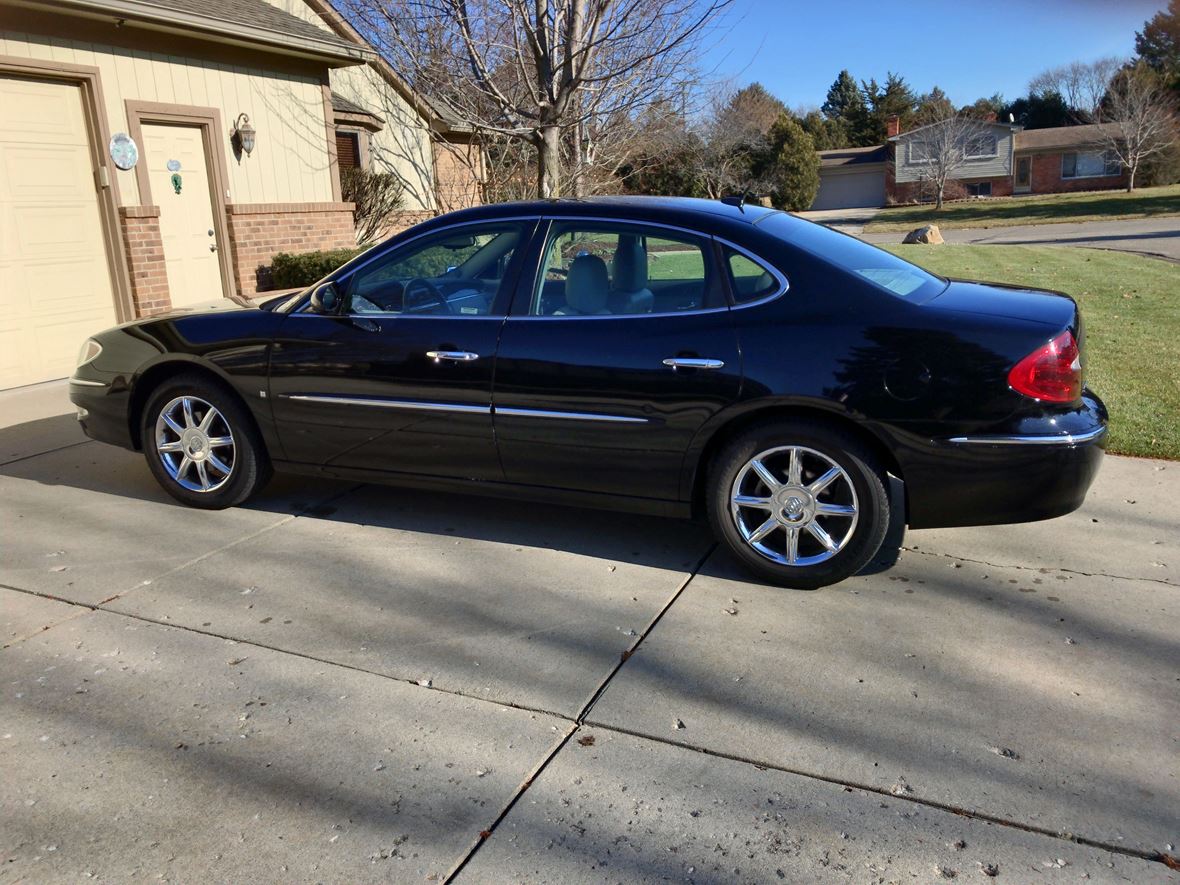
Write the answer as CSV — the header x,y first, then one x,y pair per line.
x,y
1131,307
1007,211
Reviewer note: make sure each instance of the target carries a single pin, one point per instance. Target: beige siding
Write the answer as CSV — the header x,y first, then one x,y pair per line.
x,y
290,162
994,167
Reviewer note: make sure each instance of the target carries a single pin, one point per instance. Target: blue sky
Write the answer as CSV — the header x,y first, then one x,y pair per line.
x,y
970,49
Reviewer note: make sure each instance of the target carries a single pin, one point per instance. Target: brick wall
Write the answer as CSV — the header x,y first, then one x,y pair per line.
x,y
458,172
145,259
259,231
1046,177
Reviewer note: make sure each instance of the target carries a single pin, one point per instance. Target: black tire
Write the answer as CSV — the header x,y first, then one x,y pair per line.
x,y
249,468
861,486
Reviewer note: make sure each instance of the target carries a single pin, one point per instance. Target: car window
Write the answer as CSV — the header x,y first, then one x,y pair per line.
x,y
748,279
455,272
884,270
624,270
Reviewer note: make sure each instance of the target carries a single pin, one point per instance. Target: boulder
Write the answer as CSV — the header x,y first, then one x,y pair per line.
x,y
928,234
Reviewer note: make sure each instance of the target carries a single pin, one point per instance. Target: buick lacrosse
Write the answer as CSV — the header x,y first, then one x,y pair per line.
x,y
796,387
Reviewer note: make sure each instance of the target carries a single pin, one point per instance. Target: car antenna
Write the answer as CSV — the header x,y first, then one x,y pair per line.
x,y
738,200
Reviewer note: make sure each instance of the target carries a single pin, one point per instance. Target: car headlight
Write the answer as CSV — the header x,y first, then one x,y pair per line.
x,y
89,352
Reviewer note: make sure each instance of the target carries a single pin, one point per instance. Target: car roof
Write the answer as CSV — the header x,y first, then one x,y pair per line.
x,y
690,211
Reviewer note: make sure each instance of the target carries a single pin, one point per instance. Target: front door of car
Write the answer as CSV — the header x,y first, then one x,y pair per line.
x,y
398,377
613,359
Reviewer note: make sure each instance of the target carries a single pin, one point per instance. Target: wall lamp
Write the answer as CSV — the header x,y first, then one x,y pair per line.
x,y
243,135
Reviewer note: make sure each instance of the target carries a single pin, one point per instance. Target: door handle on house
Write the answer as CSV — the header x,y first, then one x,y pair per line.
x,y
681,362
452,356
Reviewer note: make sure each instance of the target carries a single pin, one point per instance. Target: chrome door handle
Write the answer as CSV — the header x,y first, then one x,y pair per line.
x,y
452,356
693,363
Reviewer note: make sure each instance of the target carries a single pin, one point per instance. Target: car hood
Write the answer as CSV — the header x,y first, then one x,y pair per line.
x,y
1001,300
231,304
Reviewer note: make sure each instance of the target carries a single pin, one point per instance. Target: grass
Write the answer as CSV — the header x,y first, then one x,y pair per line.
x,y
1007,211
1131,308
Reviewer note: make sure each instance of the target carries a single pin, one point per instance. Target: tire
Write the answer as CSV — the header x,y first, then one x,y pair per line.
x,y
857,489
200,422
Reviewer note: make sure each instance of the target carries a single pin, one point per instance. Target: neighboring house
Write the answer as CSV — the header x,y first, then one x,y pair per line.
x,y
85,244
1000,159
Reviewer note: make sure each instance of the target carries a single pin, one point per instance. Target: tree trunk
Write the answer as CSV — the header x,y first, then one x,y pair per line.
x,y
938,198
1130,179
549,162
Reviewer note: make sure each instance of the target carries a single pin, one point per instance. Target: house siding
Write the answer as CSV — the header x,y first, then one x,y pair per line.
x,y
972,170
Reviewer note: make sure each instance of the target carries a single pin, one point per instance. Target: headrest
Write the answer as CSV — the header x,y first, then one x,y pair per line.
x,y
629,266
587,284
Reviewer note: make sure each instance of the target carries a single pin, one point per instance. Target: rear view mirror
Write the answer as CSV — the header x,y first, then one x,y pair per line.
x,y
459,242
326,299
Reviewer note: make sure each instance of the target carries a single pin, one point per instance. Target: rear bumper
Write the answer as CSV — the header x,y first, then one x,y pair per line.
x,y
102,409
1039,471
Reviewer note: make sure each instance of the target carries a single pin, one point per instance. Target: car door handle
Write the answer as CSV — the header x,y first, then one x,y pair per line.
x,y
452,356
680,362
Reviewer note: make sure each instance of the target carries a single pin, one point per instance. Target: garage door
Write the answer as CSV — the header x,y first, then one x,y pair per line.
x,y
850,190
55,283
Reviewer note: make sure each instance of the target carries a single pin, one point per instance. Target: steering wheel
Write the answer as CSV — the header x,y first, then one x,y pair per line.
x,y
432,291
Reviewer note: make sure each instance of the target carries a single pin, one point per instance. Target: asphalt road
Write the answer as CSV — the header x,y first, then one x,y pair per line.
x,y
354,684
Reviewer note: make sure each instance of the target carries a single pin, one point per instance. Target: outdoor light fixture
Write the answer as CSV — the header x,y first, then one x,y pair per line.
x,y
243,134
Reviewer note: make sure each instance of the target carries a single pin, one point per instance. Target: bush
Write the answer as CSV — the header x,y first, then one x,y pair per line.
x,y
377,195
290,271
791,168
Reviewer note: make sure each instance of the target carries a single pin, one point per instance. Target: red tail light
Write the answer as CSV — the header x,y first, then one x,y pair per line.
x,y
1052,373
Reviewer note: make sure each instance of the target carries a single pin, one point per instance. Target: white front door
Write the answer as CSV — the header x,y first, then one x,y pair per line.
x,y
55,279
179,175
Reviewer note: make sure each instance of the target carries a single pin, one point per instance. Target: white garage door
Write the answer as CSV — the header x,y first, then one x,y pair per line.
x,y
850,190
55,284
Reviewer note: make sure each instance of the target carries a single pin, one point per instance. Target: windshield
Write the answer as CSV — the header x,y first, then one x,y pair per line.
x,y
885,271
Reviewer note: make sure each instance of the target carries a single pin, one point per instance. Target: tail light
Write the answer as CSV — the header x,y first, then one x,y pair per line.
x,y
1052,373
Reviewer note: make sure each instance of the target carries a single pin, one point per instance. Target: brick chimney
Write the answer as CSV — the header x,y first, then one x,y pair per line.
x,y
892,125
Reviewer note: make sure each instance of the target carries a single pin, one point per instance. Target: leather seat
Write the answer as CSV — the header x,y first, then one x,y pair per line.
x,y
587,288
629,293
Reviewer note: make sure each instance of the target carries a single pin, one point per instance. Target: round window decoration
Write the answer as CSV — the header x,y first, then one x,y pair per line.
x,y
124,153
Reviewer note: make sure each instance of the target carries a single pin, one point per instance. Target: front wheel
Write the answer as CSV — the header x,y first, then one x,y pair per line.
x,y
800,504
201,444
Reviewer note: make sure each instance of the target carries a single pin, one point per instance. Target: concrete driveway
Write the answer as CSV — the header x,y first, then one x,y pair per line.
x,y
359,684
1158,237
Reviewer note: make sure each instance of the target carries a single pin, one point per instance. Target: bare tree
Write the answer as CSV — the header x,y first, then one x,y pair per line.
x,y
1083,85
943,146
1140,119
554,74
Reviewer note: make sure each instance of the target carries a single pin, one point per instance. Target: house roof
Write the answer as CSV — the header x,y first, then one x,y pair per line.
x,y
342,104
853,156
244,22
1058,137
1012,127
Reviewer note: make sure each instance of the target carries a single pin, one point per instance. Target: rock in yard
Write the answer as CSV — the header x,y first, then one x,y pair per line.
x,y
929,235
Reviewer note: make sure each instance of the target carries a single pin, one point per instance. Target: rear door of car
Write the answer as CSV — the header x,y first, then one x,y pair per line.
x,y
402,380
603,393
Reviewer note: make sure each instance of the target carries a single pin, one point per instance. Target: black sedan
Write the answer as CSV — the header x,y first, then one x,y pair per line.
x,y
672,356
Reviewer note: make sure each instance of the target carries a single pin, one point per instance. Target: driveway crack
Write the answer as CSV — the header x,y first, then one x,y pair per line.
x,y
1042,569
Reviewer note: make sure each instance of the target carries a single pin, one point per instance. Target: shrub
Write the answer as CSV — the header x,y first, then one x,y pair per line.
x,y
377,195
289,271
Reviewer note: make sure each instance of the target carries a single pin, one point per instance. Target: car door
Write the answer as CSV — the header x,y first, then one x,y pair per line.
x,y
400,379
613,358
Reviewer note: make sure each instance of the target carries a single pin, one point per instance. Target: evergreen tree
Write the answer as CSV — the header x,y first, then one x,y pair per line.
x,y
895,98
934,105
846,105
1158,44
791,167
1040,111
826,134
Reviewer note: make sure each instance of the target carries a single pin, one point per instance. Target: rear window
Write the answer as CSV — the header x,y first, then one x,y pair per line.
x,y
884,270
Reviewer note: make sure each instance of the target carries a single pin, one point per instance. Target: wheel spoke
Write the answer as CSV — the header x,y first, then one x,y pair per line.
x,y
203,476
823,537
767,477
824,481
187,405
792,544
208,420
795,469
219,465
217,442
172,425
174,446
763,530
823,509
752,501
182,468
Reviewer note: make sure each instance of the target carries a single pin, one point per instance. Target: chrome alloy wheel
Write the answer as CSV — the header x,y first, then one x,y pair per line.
x,y
195,444
794,505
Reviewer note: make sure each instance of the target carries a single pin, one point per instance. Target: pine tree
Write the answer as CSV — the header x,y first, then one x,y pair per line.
x,y
791,167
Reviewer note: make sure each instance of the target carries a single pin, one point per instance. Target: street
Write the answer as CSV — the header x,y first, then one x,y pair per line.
x,y
347,683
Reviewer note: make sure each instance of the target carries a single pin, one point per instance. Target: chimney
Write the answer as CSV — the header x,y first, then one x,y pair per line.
x,y
892,125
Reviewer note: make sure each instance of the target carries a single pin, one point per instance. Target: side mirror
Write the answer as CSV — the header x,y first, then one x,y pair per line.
x,y
326,299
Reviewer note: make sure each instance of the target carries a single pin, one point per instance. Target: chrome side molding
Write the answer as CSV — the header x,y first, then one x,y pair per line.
x,y
1015,439
459,407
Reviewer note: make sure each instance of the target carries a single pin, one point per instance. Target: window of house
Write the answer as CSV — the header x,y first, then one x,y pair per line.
x,y
348,149
920,151
978,188
1089,164
979,146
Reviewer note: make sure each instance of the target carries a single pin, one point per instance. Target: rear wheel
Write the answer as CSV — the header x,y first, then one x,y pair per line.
x,y
201,444
801,504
